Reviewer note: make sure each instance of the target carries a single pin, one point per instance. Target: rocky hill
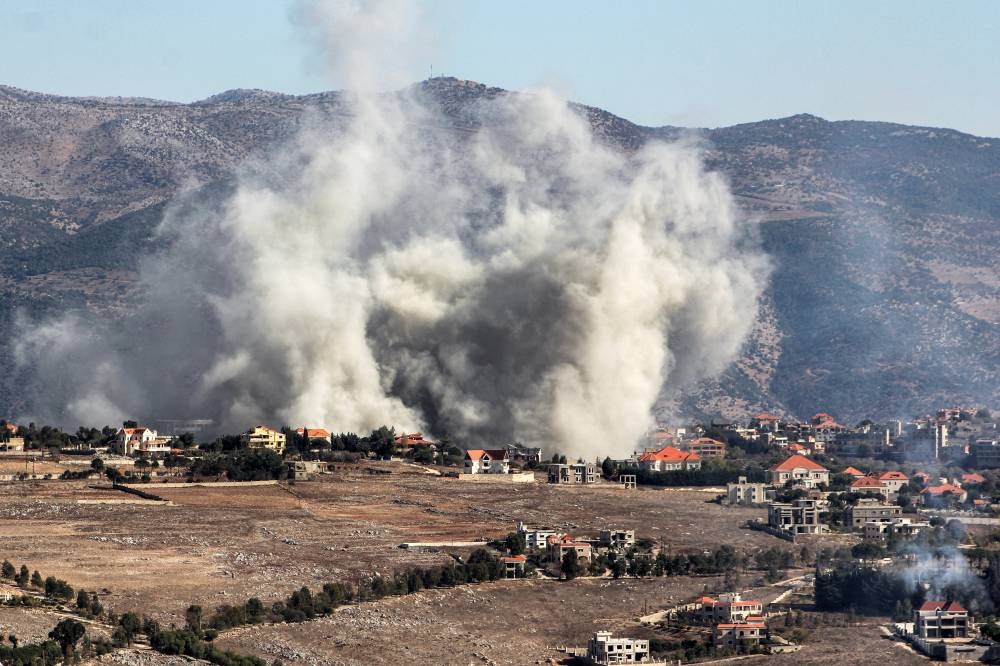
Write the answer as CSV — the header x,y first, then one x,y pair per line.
x,y
885,298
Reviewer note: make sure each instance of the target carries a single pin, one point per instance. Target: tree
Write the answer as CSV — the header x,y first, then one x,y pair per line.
x,y
68,633
22,576
383,441
192,618
36,580
607,468
8,569
97,464
129,625
571,564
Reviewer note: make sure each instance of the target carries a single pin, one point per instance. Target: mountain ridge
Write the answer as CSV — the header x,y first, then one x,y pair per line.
x,y
880,233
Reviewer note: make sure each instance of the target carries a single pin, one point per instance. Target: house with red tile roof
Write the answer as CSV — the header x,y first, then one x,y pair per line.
x,y
868,484
514,566
935,494
735,634
729,607
801,470
559,545
972,479
668,459
314,433
765,421
853,471
939,620
487,461
141,442
893,481
413,439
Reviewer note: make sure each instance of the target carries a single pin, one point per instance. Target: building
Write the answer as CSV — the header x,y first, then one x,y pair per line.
x,y
529,455
729,607
487,461
303,470
853,472
743,492
411,440
669,459
935,495
868,484
936,620
893,481
799,517
315,434
143,442
603,649
514,566
12,443
987,453
706,447
574,473
617,539
263,437
534,538
735,634
801,471
872,509
560,545
765,421
895,527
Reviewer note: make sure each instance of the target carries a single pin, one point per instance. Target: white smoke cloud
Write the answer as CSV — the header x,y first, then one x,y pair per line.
x,y
520,281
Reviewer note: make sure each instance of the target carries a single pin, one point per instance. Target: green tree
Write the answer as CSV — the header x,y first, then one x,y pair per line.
x,y
97,464
193,618
129,625
8,569
570,566
36,580
68,633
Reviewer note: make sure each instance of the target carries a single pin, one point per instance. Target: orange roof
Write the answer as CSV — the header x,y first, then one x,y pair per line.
x,y
893,476
704,600
765,416
853,471
313,432
741,625
669,454
943,488
973,477
867,482
514,558
475,454
948,606
10,427
797,461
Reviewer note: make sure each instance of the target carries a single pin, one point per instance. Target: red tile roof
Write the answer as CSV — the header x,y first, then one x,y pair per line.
x,y
973,477
796,461
313,432
947,606
893,476
853,471
669,454
741,625
867,482
943,488
765,416
474,454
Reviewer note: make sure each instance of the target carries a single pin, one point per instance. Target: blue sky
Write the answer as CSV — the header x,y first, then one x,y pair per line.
x,y
706,63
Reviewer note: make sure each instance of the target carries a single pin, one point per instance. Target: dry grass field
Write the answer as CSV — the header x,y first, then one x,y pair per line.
x,y
215,545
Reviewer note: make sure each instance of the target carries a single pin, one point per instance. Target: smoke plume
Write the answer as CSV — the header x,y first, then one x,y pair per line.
x,y
506,276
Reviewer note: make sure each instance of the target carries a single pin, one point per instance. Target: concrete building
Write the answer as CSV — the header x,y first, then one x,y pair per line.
x,y
537,539
487,461
735,634
800,470
560,545
799,517
936,620
617,539
12,444
574,473
706,447
514,566
986,453
603,649
880,529
263,437
729,607
744,492
872,509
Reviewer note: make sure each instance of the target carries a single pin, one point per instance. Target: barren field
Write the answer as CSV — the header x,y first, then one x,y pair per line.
x,y
217,545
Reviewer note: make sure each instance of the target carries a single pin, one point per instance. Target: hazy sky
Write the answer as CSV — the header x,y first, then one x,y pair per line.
x,y
655,62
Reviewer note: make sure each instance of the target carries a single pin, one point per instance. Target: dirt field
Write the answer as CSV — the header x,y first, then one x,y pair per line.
x,y
224,545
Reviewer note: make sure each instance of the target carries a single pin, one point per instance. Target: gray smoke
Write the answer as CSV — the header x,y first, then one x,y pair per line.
x,y
521,281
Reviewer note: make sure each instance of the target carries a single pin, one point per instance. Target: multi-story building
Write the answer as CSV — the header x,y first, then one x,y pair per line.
x,y
560,545
573,473
872,509
605,650
536,538
744,492
735,634
800,470
617,539
986,453
706,447
886,528
669,459
263,437
729,607
936,620
801,516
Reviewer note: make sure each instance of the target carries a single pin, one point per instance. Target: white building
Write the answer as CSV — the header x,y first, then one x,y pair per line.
x,y
487,461
603,649
535,538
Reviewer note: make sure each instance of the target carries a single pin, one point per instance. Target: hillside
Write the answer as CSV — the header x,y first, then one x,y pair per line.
x,y
885,297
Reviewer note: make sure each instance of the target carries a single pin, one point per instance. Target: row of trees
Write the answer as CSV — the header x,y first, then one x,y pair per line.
x,y
51,586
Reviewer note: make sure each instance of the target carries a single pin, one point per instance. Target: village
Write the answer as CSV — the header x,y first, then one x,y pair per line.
x,y
836,507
